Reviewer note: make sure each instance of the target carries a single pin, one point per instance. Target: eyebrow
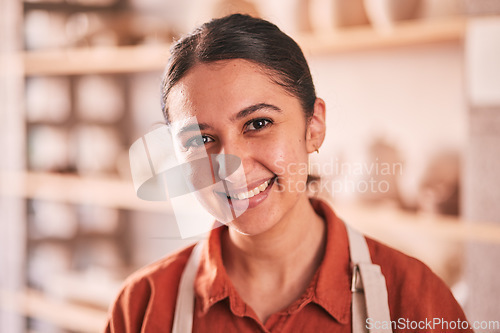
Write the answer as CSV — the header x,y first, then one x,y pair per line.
x,y
253,108
241,114
194,128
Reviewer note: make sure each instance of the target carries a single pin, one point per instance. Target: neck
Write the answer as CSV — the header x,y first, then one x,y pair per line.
x,y
288,253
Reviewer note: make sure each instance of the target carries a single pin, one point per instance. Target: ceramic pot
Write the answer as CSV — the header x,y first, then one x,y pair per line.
x,y
350,13
384,13
327,15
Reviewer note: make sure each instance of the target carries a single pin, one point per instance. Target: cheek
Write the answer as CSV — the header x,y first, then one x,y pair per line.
x,y
288,159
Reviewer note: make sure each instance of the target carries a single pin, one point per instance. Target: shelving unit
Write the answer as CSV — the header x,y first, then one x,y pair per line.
x,y
27,304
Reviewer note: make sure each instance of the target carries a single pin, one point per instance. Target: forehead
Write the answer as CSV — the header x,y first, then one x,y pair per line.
x,y
221,87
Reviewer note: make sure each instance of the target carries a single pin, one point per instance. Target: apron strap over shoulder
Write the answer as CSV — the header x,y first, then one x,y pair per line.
x,y
368,287
184,308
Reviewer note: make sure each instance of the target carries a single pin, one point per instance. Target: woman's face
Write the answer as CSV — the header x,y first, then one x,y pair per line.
x,y
241,112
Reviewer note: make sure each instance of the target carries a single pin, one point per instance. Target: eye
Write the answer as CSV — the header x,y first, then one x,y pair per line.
x,y
257,124
198,141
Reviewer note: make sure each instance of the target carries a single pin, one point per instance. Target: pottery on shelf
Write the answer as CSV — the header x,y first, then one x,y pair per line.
x,y
384,13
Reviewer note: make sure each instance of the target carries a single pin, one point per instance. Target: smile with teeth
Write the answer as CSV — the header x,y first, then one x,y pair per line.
x,y
251,193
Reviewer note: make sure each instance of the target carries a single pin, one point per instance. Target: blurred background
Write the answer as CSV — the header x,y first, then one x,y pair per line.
x,y
412,154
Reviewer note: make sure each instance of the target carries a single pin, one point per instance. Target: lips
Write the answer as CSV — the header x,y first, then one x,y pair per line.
x,y
244,198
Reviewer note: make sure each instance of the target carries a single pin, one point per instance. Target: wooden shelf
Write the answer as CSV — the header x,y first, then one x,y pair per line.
x,y
73,189
123,59
381,222
130,59
365,37
34,304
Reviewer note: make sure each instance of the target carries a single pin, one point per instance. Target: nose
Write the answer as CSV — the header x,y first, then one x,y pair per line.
x,y
229,163
228,167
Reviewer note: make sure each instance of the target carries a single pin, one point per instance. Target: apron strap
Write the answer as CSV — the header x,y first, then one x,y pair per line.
x,y
184,307
369,291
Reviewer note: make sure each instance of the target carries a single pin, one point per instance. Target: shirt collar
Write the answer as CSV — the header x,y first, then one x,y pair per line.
x,y
329,288
212,283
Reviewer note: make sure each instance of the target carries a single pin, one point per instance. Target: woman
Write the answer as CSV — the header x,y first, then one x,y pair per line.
x,y
285,263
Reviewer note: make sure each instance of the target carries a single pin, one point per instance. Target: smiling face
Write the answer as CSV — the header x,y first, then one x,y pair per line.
x,y
240,111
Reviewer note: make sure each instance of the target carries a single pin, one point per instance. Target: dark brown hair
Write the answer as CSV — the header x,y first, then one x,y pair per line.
x,y
243,37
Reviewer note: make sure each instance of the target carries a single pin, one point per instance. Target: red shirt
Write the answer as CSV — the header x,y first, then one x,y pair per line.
x,y
416,295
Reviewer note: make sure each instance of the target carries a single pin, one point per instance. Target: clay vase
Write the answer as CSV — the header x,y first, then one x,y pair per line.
x,y
330,15
350,13
383,14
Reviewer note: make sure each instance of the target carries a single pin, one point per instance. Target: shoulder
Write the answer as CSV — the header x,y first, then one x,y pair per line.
x,y
148,293
414,291
400,270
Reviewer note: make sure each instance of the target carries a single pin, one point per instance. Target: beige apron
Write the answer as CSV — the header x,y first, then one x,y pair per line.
x,y
369,292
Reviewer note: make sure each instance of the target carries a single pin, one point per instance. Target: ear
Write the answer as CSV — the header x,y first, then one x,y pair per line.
x,y
316,127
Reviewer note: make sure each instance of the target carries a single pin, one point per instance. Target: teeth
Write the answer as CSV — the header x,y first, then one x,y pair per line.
x,y
251,193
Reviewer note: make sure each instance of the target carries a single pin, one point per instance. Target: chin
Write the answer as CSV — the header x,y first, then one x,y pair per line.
x,y
249,225
246,231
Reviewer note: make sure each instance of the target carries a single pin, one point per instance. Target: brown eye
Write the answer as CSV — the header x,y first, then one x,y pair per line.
x,y
257,124
198,141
